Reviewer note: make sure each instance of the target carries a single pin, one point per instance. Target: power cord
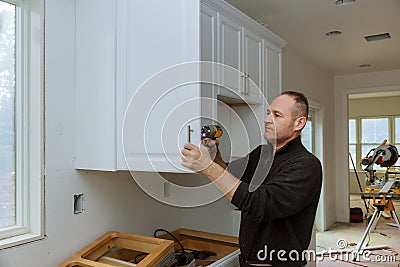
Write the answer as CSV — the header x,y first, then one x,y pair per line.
x,y
183,255
176,239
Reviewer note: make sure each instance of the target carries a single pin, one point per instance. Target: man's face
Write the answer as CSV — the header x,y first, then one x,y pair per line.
x,y
279,123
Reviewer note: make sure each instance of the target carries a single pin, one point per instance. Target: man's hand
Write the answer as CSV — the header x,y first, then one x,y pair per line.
x,y
195,158
198,159
218,158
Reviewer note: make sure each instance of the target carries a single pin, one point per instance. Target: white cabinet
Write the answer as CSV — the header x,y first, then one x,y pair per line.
x,y
272,72
132,66
253,67
208,31
96,84
162,105
243,50
230,41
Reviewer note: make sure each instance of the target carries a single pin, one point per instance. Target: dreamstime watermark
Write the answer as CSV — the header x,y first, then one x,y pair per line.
x,y
343,253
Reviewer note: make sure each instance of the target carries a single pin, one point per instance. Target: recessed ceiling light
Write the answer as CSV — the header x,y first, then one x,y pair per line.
x,y
377,37
333,33
344,2
364,66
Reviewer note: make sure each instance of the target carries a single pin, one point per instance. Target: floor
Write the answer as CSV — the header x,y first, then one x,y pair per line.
x,y
343,234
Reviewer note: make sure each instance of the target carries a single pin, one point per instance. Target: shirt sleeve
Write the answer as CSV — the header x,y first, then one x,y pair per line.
x,y
241,168
284,194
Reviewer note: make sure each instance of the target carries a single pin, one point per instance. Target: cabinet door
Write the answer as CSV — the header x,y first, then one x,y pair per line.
x,y
253,67
208,37
96,84
231,55
156,125
272,73
162,107
208,52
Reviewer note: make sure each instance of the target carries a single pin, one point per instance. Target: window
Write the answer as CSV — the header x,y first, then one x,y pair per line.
x,y
21,121
368,133
307,132
7,92
373,132
352,143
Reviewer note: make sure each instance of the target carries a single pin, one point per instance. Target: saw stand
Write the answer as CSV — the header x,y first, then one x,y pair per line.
x,y
382,201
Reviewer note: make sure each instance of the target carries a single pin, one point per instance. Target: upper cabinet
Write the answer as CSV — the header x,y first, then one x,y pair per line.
x,y
253,67
231,46
139,94
243,50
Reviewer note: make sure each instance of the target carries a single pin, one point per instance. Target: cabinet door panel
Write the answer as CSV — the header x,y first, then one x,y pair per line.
x,y
95,84
272,74
208,31
253,64
156,128
231,55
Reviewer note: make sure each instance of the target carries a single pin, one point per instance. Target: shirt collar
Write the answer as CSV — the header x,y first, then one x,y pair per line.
x,y
292,143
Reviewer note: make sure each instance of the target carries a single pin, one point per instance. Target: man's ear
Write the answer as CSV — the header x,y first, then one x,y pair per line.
x,y
300,123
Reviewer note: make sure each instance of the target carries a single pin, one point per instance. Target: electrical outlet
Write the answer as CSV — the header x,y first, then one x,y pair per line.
x,y
78,203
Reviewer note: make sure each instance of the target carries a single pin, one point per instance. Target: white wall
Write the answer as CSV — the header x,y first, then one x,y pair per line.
x,y
318,85
377,106
352,84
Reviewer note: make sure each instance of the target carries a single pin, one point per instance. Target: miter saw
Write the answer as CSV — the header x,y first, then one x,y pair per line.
x,y
384,155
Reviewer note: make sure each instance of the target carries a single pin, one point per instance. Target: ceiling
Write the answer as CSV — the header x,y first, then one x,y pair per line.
x,y
303,25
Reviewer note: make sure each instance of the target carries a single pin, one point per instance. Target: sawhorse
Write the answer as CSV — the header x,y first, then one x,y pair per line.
x,y
382,201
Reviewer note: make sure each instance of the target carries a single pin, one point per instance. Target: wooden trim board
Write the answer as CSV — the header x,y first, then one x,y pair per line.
x,y
93,255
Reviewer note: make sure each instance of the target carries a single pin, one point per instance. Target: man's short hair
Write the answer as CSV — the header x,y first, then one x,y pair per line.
x,y
300,108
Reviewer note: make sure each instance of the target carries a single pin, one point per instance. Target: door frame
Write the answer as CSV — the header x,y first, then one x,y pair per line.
x,y
318,147
342,146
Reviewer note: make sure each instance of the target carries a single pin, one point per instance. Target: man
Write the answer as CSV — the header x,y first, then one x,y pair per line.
x,y
278,216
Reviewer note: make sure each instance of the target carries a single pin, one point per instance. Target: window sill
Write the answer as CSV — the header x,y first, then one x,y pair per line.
x,y
20,240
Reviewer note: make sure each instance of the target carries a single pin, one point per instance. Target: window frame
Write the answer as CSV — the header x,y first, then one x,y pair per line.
x,y
29,125
311,120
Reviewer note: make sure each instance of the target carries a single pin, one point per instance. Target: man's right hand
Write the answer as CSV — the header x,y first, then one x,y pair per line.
x,y
213,145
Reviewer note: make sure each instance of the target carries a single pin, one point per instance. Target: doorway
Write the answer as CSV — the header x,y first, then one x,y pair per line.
x,y
372,118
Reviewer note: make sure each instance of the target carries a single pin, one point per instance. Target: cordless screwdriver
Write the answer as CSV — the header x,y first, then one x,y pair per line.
x,y
211,131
